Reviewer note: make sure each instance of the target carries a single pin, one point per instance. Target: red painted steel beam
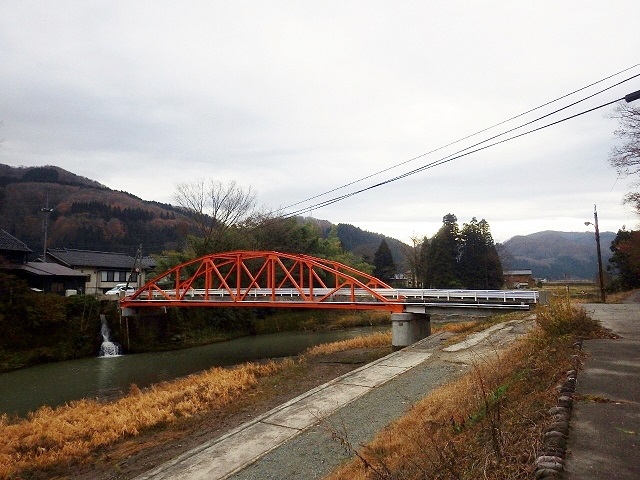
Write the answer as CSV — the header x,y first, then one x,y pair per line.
x,y
229,272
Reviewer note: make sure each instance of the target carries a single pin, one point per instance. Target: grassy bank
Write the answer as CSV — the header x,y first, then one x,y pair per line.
x,y
51,438
489,423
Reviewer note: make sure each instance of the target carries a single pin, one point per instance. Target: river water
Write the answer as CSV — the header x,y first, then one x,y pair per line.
x,y
54,384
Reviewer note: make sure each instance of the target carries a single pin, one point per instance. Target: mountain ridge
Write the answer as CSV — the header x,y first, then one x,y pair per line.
x,y
91,216
556,255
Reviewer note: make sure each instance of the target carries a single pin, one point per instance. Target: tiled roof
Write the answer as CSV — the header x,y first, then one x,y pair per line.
x,y
88,258
11,243
149,262
49,269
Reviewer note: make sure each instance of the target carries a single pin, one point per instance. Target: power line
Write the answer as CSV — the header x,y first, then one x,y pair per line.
x,y
446,160
481,131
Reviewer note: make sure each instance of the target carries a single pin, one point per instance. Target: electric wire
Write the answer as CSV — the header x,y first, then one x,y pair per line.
x,y
445,160
479,132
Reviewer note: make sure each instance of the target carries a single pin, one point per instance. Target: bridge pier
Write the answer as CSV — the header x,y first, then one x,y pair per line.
x,y
408,328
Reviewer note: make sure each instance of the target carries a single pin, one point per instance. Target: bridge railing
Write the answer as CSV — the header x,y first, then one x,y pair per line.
x,y
408,295
446,295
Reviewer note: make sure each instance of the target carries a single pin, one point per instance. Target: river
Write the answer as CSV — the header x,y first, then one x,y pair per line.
x,y
54,384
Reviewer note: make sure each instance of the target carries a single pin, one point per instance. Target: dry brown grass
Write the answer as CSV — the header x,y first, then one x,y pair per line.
x,y
53,436
380,339
487,424
563,317
50,437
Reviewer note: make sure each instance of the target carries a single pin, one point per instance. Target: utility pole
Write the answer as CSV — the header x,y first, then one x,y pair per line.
x,y
603,297
46,211
595,219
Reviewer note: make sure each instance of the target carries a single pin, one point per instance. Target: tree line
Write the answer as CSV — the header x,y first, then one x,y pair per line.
x,y
456,257
227,218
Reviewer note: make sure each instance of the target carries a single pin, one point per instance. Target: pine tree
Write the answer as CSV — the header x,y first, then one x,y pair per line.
x,y
495,277
473,256
384,267
442,256
480,266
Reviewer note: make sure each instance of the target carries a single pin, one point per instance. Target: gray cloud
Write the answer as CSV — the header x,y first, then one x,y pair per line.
x,y
295,99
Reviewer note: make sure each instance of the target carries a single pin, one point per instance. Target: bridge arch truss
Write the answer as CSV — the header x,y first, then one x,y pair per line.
x,y
265,279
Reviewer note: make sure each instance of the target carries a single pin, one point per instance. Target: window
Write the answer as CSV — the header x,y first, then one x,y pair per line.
x,y
118,276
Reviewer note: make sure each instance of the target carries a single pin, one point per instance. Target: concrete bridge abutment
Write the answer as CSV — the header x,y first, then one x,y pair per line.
x,y
408,328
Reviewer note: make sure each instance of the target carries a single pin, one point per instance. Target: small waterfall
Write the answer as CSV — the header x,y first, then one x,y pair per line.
x,y
108,348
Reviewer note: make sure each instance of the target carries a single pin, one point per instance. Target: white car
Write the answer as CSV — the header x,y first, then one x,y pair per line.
x,y
121,287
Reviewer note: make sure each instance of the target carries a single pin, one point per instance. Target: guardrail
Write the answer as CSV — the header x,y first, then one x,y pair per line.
x,y
410,295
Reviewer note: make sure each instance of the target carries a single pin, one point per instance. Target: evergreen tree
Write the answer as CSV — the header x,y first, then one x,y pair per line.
x,y
625,261
442,257
480,266
472,256
384,267
495,277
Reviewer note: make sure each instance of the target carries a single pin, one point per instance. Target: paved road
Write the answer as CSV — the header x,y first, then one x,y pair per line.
x,y
294,441
604,436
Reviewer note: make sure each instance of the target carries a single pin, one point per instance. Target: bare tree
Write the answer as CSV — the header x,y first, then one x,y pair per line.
x,y
217,209
414,259
626,157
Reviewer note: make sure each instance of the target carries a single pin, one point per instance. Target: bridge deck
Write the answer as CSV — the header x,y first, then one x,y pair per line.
x,y
342,298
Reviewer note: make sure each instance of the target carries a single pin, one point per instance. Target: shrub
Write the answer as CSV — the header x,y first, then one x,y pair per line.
x,y
561,317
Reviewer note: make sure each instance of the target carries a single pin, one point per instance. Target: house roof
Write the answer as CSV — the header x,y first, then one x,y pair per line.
x,y
45,269
87,258
10,243
149,262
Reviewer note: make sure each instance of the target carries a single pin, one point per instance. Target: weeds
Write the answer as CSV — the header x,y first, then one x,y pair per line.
x,y
561,317
51,436
487,424
380,339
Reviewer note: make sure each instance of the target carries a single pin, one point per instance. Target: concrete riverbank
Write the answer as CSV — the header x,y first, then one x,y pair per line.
x,y
295,440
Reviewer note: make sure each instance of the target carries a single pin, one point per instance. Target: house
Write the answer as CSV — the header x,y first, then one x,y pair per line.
x,y
519,279
51,277
41,276
103,269
401,280
12,250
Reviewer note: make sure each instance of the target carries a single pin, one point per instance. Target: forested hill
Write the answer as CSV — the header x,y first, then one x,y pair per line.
x,y
557,255
365,244
85,214
89,215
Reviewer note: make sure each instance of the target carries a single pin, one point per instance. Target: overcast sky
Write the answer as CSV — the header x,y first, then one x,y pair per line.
x,y
294,99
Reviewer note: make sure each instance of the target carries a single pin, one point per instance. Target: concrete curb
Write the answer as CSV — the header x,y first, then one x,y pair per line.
x,y
550,463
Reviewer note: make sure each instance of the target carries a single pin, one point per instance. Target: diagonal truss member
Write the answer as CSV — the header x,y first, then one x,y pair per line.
x,y
265,279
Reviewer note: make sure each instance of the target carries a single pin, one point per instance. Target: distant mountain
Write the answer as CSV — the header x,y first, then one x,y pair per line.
x,y
85,214
557,255
89,215
9,174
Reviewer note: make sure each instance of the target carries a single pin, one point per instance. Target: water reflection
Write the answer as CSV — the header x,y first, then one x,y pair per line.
x,y
107,377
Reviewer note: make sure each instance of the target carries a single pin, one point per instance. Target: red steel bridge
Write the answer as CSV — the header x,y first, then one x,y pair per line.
x,y
272,279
